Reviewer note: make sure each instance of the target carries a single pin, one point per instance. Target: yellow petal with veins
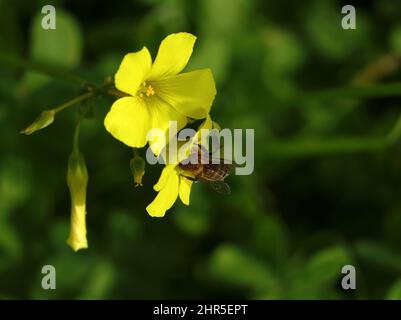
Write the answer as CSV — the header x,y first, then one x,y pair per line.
x,y
129,120
191,94
185,190
173,55
161,183
167,195
162,113
132,71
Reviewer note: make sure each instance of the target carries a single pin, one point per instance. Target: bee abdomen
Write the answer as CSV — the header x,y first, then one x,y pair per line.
x,y
214,172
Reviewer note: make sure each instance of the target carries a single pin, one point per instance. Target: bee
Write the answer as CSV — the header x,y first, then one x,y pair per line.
x,y
206,171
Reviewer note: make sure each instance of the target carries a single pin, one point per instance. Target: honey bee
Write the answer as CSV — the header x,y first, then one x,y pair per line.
x,y
206,171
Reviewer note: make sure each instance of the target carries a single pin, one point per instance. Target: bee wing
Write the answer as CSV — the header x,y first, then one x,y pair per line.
x,y
220,187
222,161
231,163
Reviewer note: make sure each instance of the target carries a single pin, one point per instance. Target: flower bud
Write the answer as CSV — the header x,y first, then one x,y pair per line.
x,y
137,165
77,180
45,119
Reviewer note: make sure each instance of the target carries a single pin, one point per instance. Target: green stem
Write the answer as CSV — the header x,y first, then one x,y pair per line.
x,y
395,133
377,90
115,93
41,68
336,146
76,100
75,145
308,148
323,147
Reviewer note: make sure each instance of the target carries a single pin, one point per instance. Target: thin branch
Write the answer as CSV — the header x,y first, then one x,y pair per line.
x,y
76,100
116,93
369,91
299,148
41,68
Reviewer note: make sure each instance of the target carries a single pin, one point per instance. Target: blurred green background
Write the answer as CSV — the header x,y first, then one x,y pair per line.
x,y
326,190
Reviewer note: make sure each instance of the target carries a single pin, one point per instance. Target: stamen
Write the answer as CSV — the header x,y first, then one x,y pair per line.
x,y
146,90
150,91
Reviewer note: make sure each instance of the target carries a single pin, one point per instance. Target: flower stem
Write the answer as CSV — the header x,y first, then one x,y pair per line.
x,y
312,147
41,68
75,145
369,91
116,93
300,148
76,100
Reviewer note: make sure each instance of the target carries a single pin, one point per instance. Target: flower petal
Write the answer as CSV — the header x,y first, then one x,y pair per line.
x,y
216,126
166,196
206,124
185,190
191,94
77,238
129,120
162,114
201,137
173,55
161,183
132,71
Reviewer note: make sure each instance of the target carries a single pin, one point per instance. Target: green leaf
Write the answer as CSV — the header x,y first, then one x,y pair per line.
x,y
283,52
11,247
323,25
214,53
324,267
395,39
227,24
15,184
101,281
270,239
61,47
232,265
73,270
124,227
194,219
378,254
395,291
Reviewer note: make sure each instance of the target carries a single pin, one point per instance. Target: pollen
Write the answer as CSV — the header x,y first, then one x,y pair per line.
x,y
150,91
146,90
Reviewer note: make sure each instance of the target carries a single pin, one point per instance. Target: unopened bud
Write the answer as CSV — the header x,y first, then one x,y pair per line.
x,y
137,165
77,180
45,119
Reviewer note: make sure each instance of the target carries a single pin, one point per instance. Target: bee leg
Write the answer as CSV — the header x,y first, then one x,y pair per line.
x,y
191,178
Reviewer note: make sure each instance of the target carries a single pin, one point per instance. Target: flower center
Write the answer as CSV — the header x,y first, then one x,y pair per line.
x,y
146,90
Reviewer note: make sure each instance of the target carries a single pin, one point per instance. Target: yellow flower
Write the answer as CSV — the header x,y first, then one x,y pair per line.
x,y
173,183
158,92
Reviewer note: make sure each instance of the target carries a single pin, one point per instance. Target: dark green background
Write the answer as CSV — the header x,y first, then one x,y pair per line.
x,y
326,188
